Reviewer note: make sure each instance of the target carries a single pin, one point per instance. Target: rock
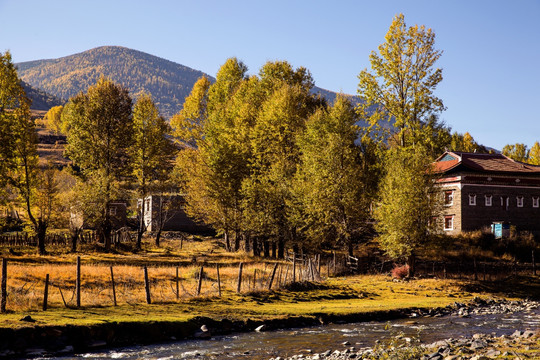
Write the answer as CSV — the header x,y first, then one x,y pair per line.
x,y
28,318
478,344
204,328
260,328
517,333
435,356
527,334
493,353
346,343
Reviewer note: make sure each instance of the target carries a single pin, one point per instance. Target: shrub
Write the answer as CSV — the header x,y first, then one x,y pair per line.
x,y
400,272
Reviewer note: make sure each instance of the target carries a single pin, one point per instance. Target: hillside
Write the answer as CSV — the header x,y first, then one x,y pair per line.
x,y
40,99
168,82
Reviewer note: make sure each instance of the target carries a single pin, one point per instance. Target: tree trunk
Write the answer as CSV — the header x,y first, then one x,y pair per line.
x,y
158,236
75,232
107,228
411,261
236,241
266,248
281,249
227,240
274,249
142,227
41,232
255,247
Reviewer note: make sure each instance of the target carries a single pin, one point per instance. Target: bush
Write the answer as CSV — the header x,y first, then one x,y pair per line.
x,y
400,272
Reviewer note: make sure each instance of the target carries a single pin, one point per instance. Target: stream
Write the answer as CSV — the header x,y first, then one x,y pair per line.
x,y
283,343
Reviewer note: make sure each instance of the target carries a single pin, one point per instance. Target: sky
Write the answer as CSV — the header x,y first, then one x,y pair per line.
x,y
490,61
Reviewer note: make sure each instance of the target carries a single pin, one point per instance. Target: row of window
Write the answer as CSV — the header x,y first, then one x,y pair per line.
x,y
488,200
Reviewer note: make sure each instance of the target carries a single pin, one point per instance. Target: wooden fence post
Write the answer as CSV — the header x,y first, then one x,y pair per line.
x,y
3,290
113,286
475,270
46,292
200,281
254,278
218,280
147,286
272,277
239,286
78,282
334,262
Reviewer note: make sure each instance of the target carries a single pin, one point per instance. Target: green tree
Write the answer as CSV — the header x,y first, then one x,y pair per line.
x,y
152,152
401,87
534,154
100,138
407,206
330,183
518,152
54,119
18,152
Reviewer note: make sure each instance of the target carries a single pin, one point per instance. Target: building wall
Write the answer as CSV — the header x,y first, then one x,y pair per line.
x,y
480,215
454,209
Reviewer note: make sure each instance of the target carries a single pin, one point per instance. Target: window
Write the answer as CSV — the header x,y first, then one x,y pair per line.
x,y
535,201
148,205
472,199
448,222
489,200
449,197
112,210
519,201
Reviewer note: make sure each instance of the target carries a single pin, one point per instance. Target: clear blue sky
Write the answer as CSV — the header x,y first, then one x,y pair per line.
x,y
491,59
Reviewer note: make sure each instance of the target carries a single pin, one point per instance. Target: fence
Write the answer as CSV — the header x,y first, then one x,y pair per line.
x,y
32,287
23,239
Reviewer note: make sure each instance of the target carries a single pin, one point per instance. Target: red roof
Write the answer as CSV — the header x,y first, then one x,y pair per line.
x,y
482,163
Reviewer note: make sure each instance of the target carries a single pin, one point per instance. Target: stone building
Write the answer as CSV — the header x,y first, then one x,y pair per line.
x,y
168,209
481,189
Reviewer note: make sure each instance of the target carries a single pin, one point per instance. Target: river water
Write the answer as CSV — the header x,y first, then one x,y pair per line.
x,y
264,345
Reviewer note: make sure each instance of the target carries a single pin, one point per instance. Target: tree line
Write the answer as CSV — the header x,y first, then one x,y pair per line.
x,y
260,158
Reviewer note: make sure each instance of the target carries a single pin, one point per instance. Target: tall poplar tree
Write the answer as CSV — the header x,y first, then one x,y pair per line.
x,y
152,152
331,183
400,88
100,138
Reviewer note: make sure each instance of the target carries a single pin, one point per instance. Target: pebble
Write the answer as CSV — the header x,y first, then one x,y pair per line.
x,y
477,347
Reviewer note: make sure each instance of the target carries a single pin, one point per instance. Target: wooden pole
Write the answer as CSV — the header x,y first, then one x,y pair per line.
x,y
200,281
147,286
46,292
218,281
334,267
177,285
272,277
475,270
3,298
78,282
113,286
239,286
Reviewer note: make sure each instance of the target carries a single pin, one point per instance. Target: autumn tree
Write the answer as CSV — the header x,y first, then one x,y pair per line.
x,y
18,151
408,203
330,184
152,152
54,119
100,138
401,87
518,152
534,154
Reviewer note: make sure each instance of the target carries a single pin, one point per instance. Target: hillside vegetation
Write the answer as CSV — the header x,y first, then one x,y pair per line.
x,y
168,82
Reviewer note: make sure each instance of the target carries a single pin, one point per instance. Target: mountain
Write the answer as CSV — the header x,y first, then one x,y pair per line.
x,y
168,82
40,99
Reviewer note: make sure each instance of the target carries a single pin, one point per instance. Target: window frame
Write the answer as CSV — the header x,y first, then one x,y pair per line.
x,y
490,198
451,219
448,197
535,201
519,201
472,199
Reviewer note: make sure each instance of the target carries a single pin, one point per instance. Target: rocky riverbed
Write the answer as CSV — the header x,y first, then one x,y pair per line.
x,y
522,344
